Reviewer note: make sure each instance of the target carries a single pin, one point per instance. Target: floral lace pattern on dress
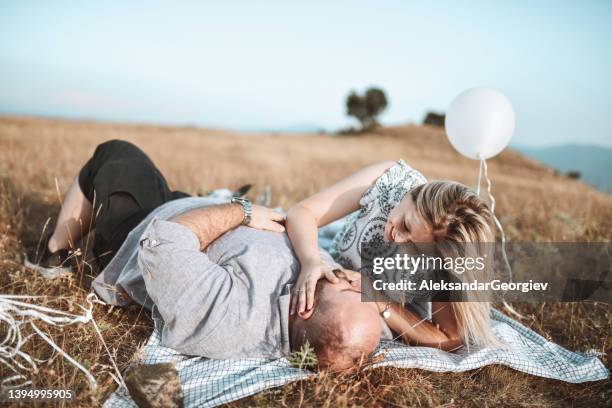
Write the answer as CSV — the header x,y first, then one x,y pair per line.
x,y
368,223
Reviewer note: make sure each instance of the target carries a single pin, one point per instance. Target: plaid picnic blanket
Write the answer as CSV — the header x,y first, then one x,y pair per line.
x,y
208,383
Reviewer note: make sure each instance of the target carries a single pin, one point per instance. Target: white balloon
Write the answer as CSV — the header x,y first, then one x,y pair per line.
x,y
480,123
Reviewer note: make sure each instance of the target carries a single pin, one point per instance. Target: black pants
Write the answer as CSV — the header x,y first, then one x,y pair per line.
x,y
124,186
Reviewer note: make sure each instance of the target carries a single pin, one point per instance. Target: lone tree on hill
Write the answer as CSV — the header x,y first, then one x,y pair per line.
x,y
434,119
366,108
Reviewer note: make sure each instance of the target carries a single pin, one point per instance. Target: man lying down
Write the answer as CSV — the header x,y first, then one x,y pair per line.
x,y
222,288
223,291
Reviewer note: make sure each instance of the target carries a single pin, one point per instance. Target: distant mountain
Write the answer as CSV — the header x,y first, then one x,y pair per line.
x,y
593,162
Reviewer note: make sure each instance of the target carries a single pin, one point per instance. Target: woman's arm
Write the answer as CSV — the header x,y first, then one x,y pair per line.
x,y
441,333
304,218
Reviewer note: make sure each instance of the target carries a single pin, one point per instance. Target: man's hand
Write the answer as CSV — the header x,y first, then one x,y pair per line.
x,y
267,219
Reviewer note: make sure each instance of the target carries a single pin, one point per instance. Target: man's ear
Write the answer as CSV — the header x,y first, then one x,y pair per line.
x,y
306,314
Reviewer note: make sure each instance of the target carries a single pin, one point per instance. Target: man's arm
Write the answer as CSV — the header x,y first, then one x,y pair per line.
x,y
191,293
209,223
197,299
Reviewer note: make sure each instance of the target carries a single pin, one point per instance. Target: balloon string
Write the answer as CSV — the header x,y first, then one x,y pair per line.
x,y
479,177
483,171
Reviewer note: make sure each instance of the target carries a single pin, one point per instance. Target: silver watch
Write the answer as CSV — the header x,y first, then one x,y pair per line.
x,y
247,207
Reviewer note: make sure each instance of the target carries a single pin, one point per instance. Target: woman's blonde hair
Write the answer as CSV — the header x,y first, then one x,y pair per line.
x,y
461,223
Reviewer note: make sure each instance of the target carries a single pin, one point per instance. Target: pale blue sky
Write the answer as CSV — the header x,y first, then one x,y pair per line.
x,y
274,65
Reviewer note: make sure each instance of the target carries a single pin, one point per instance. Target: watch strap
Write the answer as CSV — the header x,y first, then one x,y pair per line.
x,y
247,207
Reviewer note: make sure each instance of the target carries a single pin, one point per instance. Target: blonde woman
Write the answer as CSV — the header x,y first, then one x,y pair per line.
x,y
392,202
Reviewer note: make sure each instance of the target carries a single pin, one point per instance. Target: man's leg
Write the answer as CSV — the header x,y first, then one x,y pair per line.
x,y
74,219
125,187
119,215
117,187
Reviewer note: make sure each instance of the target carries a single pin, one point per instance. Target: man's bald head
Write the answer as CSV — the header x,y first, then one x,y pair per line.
x,y
342,330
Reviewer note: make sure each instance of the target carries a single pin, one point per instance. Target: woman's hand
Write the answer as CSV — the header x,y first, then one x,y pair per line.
x,y
352,277
304,289
267,219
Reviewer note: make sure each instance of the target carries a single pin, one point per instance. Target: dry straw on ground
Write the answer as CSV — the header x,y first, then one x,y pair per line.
x,y
533,203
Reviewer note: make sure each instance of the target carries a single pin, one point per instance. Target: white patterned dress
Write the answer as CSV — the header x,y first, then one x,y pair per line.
x,y
367,225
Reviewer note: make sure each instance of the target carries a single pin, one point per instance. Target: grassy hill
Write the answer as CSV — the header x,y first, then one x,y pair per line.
x,y
39,158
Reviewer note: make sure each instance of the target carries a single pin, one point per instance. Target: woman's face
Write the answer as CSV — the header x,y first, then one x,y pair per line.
x,y
405,225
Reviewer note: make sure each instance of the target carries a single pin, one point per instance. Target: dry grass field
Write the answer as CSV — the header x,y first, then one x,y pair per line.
x,y
533,203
